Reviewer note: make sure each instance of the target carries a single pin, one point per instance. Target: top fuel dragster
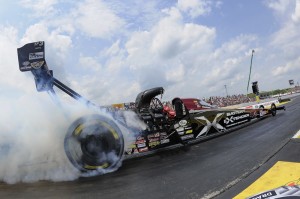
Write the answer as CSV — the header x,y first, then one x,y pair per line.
x,y
95,143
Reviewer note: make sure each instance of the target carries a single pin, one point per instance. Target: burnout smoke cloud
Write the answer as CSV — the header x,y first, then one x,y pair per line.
x,y
33,127
33,131
32,141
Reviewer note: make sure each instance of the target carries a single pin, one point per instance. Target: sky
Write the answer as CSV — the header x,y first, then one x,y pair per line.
x,y
109,51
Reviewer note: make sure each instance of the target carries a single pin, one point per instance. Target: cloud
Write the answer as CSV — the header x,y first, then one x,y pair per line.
x,y
229,61
172,37
177,74
9,71
279,6
296,14
96,19
167,42
289,15
285,42
90,63
195,8
40,8
290,67
169,51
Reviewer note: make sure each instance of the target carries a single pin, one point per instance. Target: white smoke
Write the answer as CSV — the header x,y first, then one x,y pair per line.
x,y
133,126
31,144
32,126
32,134
32,138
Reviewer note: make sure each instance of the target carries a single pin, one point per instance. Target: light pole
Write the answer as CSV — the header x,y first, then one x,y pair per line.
x,y
250,70
226,90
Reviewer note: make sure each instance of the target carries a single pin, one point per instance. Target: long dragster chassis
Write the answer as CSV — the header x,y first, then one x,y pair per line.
x,y
95,143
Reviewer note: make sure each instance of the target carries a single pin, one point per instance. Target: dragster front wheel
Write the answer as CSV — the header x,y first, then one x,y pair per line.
x,y
273,109
94,143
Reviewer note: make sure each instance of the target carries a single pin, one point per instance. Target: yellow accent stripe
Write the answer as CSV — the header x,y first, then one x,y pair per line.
x,y
281,174
189,131
282,103
105,165
79,129
116,136
82,126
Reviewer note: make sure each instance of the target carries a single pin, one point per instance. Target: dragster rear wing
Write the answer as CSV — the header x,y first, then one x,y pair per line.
x,y
31,57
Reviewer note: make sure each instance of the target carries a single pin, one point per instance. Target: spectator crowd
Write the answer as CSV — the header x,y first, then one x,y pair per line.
x,y
214,100
228,100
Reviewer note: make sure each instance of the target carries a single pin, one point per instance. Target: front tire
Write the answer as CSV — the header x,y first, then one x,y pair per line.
x,y
273,109
95,144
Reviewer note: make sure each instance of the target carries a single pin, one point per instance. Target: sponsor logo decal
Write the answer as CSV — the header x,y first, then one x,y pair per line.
x,y
25,65
37,55
143,149
155,135
141,145
208,124
40,43
232,119
185,137
153,139
189,131
132,146
140,141
264,195
182,122
140,138
163,135
37,64
153,144
235,113
179,129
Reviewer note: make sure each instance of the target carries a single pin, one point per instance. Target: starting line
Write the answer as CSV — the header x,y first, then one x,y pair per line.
x,y
280,175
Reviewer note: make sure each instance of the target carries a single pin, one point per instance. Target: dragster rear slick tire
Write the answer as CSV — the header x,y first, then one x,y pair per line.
x,y
94,144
